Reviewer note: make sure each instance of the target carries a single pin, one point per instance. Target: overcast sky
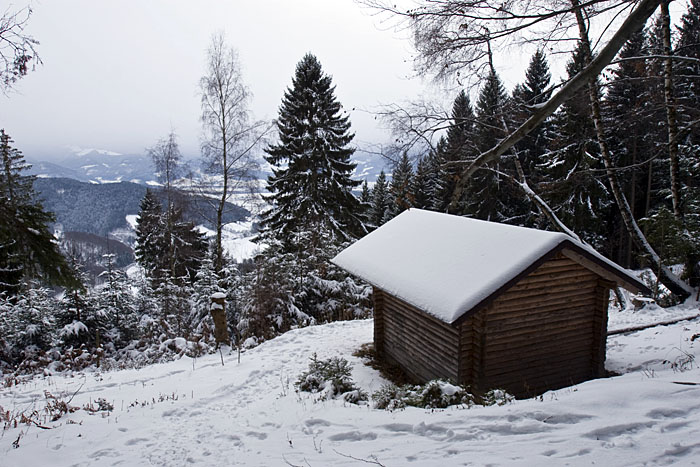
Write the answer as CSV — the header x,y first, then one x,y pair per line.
x,y
117,75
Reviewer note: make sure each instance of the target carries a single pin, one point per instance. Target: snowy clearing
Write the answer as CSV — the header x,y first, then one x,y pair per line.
x,y
200,412
236,238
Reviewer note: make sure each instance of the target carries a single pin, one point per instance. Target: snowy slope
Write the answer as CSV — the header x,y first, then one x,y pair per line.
x,y
202,413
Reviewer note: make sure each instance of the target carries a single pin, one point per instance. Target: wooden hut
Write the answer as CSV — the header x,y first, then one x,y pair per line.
x,y
484,304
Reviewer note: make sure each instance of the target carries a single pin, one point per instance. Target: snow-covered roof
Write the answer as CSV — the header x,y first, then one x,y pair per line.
x,y
446,265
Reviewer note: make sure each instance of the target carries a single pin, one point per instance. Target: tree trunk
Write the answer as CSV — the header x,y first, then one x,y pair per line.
x,y
670,104
667,278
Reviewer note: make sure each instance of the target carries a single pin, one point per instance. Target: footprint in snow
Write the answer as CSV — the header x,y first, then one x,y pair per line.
x,y
134,441
353,436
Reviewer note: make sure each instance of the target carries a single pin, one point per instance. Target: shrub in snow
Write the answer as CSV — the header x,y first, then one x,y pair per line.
x,y
496,397
435,394
331,378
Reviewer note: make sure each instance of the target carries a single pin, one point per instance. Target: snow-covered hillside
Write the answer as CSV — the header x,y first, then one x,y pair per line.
x,y
199,412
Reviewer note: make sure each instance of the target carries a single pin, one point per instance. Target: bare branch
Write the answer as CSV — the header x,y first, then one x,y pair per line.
x,y
17,48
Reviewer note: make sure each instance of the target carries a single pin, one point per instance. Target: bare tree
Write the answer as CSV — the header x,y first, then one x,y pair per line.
x,y
17,48
230,137
167,159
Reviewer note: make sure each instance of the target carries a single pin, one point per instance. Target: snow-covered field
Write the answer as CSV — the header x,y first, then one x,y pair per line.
x,y
236,238
198,412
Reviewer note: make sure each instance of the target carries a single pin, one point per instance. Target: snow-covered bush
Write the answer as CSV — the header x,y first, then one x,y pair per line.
x,y
435,394
330,378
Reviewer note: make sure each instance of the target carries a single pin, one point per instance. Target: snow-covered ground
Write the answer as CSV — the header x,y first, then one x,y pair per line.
x,y
199,412
236,238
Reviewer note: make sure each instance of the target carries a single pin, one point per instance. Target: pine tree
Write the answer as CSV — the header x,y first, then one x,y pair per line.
x,y
116,307
365,201
401,187
689,73
436,180
421,184
688,101
460,145
150,242
380,201
189,247
27,247
311,188
631,108
579,198
489,196
533,92
167,245
365,195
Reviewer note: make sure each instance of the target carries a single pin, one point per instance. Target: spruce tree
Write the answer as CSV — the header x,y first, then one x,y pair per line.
x,y
150,242
27,248
533,92
365,201
401,187
688,101
458,146
421,184
632,106
579,198
380,201
310,185
489,196
166,244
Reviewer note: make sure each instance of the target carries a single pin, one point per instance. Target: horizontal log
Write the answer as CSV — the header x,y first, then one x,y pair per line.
x,y
537,340
499,362
423,318
527,389
544,356
552,290
398,303
410,330
536,320
541,326
548,284
562,297
572,310
557,262
547,276
574,367
420,363
557,377
397,322
417,347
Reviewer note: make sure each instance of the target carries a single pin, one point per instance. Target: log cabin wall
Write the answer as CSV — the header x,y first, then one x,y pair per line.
x,y
423,346
545,332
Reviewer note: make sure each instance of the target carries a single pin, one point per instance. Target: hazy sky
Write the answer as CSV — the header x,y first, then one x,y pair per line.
x,y
117,75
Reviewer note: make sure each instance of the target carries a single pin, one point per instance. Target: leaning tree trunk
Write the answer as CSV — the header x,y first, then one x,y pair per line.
x,y
665,276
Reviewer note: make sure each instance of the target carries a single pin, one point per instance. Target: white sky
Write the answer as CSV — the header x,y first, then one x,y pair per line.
x,y
117,75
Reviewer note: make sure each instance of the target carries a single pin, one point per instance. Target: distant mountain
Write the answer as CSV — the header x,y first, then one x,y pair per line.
x,y
102,208
102,166
97,166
